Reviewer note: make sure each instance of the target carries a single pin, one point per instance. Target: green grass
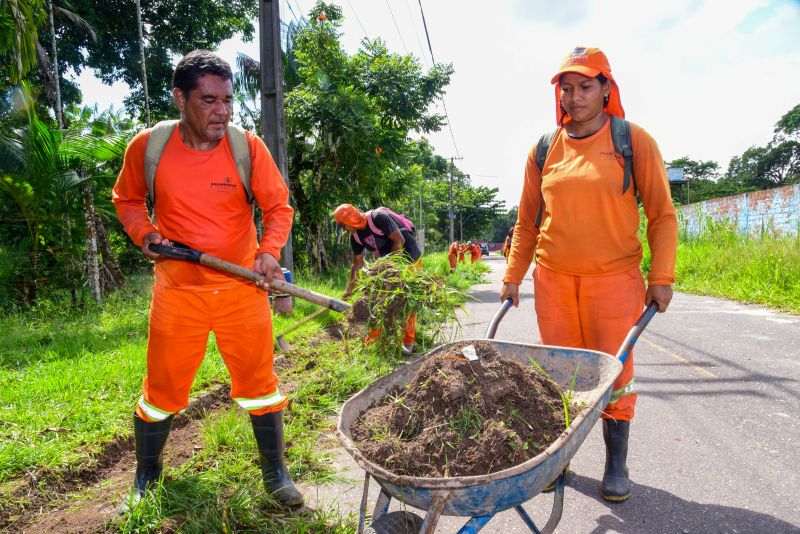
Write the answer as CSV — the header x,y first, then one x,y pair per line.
x,y
723,263
69,381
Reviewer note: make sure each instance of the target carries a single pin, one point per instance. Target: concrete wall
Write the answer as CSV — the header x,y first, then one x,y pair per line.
x,y
770,209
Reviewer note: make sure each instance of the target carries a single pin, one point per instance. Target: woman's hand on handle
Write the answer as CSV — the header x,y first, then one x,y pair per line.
x,y
511,291
660,294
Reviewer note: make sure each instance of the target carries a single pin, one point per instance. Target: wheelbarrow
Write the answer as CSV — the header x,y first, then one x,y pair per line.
x,y
481,497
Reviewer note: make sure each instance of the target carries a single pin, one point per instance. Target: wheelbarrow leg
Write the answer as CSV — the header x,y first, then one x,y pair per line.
x,y
433,515
558,506
381,505
475,524
362,512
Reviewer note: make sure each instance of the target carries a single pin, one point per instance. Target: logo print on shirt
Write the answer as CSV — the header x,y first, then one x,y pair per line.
x,y
225,185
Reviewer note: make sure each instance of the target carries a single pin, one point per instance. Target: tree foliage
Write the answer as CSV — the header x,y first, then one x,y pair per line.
x,y
42,170
348,121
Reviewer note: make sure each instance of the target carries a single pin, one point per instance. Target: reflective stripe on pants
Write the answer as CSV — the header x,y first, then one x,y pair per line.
x,y
180,322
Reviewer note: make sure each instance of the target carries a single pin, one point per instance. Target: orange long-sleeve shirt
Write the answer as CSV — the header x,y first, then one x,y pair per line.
x,y
588,226
200,201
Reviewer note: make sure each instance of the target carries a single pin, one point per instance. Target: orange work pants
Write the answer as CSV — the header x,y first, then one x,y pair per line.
x,y
179,325
452,257
596,313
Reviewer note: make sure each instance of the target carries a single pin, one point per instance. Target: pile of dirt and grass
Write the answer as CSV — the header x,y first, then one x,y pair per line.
x,y
463,418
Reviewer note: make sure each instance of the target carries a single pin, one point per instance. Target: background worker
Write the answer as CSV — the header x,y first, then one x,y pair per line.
x,y
452,254
462,251
201,201
474,251
383,232
508,242
588,283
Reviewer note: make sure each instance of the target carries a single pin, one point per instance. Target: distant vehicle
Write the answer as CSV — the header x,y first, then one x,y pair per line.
x,y
484,249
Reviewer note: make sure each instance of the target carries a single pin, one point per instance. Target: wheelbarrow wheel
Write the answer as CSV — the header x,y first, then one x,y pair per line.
x,y
396,523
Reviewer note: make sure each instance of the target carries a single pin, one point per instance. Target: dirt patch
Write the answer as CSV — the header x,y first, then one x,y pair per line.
x,y
86,500
463,418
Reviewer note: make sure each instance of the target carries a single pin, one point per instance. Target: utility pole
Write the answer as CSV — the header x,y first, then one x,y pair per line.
x,y
144,65
272,118
452,214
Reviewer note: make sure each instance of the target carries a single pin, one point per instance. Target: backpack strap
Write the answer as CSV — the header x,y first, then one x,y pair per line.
x,y
621,134
157,142
241,157
542,149
372,226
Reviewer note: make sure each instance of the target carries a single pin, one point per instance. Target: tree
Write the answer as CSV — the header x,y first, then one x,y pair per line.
x,y
42,170
348,121
20,21
169,29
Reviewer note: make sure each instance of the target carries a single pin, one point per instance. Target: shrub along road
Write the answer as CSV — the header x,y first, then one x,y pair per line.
x,y
714,443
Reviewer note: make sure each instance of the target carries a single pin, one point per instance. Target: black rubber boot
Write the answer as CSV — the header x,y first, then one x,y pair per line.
x,y
268,429
150,439
616,485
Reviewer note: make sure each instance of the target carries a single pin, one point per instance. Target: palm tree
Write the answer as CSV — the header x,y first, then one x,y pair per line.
x,y
19,20
42,171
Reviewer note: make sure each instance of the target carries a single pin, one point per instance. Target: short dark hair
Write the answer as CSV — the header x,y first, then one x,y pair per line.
x,y
601,78
197,64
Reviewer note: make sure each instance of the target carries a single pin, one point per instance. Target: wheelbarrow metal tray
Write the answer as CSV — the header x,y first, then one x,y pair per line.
x,y
488,494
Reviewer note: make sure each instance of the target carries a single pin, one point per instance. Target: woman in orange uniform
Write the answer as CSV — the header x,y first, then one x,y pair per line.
x,y
588,284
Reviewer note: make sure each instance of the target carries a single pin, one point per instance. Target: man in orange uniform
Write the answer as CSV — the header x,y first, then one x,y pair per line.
x,y
200,200
588,284
452,254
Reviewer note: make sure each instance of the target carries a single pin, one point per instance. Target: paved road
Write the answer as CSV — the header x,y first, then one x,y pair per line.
x,y
715,446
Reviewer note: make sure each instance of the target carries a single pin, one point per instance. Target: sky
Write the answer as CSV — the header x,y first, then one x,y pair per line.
x,y
706,78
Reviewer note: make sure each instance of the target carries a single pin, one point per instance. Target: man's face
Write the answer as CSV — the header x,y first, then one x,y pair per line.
x,y
349,229
206,110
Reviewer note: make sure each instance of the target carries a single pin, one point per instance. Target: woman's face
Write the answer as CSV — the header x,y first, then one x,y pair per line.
x,y
582,96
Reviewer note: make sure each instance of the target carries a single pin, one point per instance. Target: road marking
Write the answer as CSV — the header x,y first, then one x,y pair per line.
x,y
681,359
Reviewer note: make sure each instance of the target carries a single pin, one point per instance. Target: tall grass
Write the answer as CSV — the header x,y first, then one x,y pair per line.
x,y
724,263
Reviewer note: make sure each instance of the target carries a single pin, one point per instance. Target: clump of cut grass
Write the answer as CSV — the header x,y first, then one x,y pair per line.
x,y
393,289
468,423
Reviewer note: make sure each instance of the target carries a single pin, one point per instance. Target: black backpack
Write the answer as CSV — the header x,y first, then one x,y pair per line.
x,y
620,133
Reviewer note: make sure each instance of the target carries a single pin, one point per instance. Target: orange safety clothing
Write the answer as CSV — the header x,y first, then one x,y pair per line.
x,y
452,254
588,62
475,252
596,313
201,202
179,325
589,227
349,215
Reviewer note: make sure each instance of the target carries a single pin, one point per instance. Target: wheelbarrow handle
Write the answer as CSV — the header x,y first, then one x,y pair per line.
x,y
179,251
498,316
637,329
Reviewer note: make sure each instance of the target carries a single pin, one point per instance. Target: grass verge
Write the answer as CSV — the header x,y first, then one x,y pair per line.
x,y
69,381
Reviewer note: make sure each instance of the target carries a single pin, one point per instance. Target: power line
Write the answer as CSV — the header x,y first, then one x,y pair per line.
x,y
449,122
397,27
427,36
358,19
416,33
